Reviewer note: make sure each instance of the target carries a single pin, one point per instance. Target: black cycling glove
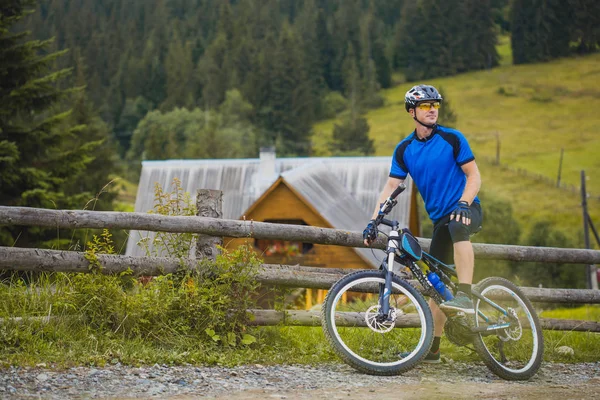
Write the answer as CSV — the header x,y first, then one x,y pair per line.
x,y
463,211
370,232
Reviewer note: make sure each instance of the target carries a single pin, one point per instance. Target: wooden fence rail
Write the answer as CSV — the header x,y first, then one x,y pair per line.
x,y
76,219
12,258
313,318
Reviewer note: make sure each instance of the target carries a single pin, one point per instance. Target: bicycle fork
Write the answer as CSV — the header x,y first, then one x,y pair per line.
x,y
385,290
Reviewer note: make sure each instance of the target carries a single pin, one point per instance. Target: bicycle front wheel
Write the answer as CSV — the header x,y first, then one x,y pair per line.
x,y
513,353
366,339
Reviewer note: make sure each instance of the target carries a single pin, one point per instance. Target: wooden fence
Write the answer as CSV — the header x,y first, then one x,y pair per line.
x,y
12,258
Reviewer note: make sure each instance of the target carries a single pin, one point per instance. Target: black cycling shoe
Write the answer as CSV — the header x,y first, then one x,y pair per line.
x,y
433,358
430,358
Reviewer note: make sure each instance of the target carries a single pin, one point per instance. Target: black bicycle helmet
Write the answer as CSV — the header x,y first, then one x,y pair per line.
x,y
420,93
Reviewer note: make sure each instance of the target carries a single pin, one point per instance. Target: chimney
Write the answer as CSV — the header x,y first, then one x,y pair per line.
x,y
267,173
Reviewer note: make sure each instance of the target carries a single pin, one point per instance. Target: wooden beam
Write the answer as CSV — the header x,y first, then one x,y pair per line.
x,y
554,324
76,219
22,259
313,318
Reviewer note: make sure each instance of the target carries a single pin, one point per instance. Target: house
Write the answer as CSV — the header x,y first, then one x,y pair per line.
x,y
331,192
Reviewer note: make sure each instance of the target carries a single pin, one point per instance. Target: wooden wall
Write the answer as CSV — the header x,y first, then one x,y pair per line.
x,y
282,203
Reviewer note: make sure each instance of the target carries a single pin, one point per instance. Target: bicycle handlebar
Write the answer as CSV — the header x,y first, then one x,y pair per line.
x,y
387,205
401,188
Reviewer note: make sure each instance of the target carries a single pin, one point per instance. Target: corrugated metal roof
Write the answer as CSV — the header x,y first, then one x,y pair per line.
x,y
325,182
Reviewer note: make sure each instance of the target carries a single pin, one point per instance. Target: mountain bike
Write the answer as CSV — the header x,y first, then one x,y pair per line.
x,y
380,324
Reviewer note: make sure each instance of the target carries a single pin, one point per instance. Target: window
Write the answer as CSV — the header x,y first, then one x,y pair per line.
x,y
282,248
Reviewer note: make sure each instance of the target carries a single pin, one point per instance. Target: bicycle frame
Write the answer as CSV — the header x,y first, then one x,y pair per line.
x,y
395,253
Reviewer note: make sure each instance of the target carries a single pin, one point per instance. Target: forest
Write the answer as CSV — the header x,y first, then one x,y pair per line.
x,y
89,88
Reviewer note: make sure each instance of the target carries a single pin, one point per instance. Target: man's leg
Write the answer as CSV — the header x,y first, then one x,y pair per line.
x,y
464,259
439,319
441,246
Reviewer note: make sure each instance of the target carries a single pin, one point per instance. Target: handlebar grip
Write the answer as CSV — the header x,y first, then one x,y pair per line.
x,y
401,188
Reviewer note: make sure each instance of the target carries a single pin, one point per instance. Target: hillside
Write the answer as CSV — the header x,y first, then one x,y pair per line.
x,y
535,110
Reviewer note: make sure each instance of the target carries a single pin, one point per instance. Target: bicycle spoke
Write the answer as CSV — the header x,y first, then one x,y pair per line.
x,y
513,352
366,338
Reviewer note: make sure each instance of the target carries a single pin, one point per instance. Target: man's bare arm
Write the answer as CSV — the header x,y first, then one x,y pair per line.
x,y
390,186
473,182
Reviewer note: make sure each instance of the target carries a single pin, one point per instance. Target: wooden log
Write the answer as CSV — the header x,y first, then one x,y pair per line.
x,y
313,318
209,203
553,324
75,219
22,259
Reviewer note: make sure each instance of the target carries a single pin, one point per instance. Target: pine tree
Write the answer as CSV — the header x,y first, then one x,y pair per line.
x,y
585,24
404,39
306,28
351,137
523,27
479,45
369,83
447,116
39,157
540,30
387,11
346,26
416,50
93,177
325,47
373,44
442,40
561,27
353,88
179,71
154,74
290,98
213,70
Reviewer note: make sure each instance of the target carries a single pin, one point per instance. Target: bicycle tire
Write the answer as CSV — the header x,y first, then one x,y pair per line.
x,y
526,350
347,341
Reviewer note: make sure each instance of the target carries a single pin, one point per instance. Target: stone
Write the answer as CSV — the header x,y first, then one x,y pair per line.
x,y
43,377
565,351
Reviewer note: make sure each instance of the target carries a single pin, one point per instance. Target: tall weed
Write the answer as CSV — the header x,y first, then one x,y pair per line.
x,y
96,317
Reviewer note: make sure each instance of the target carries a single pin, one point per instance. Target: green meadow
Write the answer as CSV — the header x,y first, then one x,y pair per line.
x,y
533,111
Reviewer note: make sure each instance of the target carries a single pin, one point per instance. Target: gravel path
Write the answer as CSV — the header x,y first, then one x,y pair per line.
x,y
458,380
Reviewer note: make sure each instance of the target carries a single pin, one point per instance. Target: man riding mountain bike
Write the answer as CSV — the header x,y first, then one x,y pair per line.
x,y
442,165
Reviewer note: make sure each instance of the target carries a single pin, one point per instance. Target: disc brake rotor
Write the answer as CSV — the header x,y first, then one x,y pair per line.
x,y
380,323
515,331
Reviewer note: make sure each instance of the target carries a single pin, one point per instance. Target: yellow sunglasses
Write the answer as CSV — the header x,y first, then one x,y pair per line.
x,y
427,106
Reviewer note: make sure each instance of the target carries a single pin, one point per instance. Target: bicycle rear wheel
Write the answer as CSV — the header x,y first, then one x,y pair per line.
x,y
363,338
513,353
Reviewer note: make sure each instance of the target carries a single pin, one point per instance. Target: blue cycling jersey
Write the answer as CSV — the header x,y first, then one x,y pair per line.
x,y
434,163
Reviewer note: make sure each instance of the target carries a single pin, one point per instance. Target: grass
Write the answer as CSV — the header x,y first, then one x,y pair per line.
x,y
63,346
536,110
586,345
88,340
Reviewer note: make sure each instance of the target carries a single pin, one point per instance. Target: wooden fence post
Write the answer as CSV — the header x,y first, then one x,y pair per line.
x,y
209,203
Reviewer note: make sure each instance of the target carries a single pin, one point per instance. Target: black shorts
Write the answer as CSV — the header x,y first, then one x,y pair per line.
x,y
446,233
